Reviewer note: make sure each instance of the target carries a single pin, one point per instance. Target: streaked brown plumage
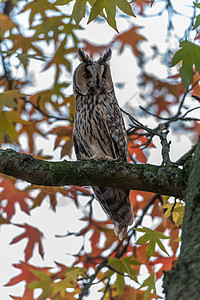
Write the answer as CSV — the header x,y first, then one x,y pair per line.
x,y
99,131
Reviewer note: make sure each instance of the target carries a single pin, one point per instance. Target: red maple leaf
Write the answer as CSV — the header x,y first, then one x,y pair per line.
x,y
93,49
140,4
136,204
34,237
63,133
131,38
13,195
52,192
135,144
27,276
167,263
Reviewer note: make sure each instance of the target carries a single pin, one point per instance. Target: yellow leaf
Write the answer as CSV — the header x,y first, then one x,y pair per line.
x,y
8,98
8,133
6,24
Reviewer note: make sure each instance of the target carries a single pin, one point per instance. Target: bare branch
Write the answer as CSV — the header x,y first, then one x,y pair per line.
x,y
91,279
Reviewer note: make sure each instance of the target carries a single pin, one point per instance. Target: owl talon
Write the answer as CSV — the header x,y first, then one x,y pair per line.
x,y
108,158
99,158
93,158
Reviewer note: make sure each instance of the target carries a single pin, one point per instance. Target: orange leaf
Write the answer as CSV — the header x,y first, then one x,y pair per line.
x,y
13,196
141,4
195,84
34,237
135,143
92,50
31,129
27,276
131,38
63,133
6,24
167,263
159,92
136,204
59,57
71,192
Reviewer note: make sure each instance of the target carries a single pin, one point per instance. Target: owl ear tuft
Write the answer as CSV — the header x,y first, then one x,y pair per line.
x,y
83,56
106,56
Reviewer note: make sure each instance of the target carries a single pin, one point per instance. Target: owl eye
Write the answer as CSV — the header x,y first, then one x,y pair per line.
x,y
87,76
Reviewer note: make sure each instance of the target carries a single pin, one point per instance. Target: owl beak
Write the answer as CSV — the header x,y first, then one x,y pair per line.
x,y
97,81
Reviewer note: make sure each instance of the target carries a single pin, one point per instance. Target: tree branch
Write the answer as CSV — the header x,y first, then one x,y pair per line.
x,y
165,180
85,290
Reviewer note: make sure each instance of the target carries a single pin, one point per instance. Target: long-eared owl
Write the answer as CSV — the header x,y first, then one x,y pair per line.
x,y
99,132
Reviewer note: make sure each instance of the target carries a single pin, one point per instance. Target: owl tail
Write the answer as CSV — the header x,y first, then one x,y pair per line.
x,y
115,202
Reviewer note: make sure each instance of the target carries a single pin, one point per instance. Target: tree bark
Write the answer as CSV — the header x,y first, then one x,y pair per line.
x,y
165,180
183,281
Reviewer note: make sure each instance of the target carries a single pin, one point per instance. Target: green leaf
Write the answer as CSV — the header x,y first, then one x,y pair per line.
x,y
120,267
70,280
166,198
197,4
61,2
38,7
120,283
95,10
142,240
189,54
150,283
79,10
150,250
178,239
24,58
43,283
125,6
154,238
110,8
197,22
8,98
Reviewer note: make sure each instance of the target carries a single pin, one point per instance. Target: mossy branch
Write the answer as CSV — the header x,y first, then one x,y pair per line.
x,y
165,180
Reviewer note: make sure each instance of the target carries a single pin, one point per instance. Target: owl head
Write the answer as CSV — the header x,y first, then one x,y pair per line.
x,y
92,76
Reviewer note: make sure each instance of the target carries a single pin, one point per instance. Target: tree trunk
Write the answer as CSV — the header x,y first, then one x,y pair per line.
x,y
183,281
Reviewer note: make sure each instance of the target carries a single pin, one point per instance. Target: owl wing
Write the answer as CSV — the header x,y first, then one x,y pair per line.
x,y
115,127
115,201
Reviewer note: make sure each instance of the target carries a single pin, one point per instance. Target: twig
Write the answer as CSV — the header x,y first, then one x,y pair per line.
x,y
186,155
118,272
91,279
145,209
106,289
37,107
189,111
